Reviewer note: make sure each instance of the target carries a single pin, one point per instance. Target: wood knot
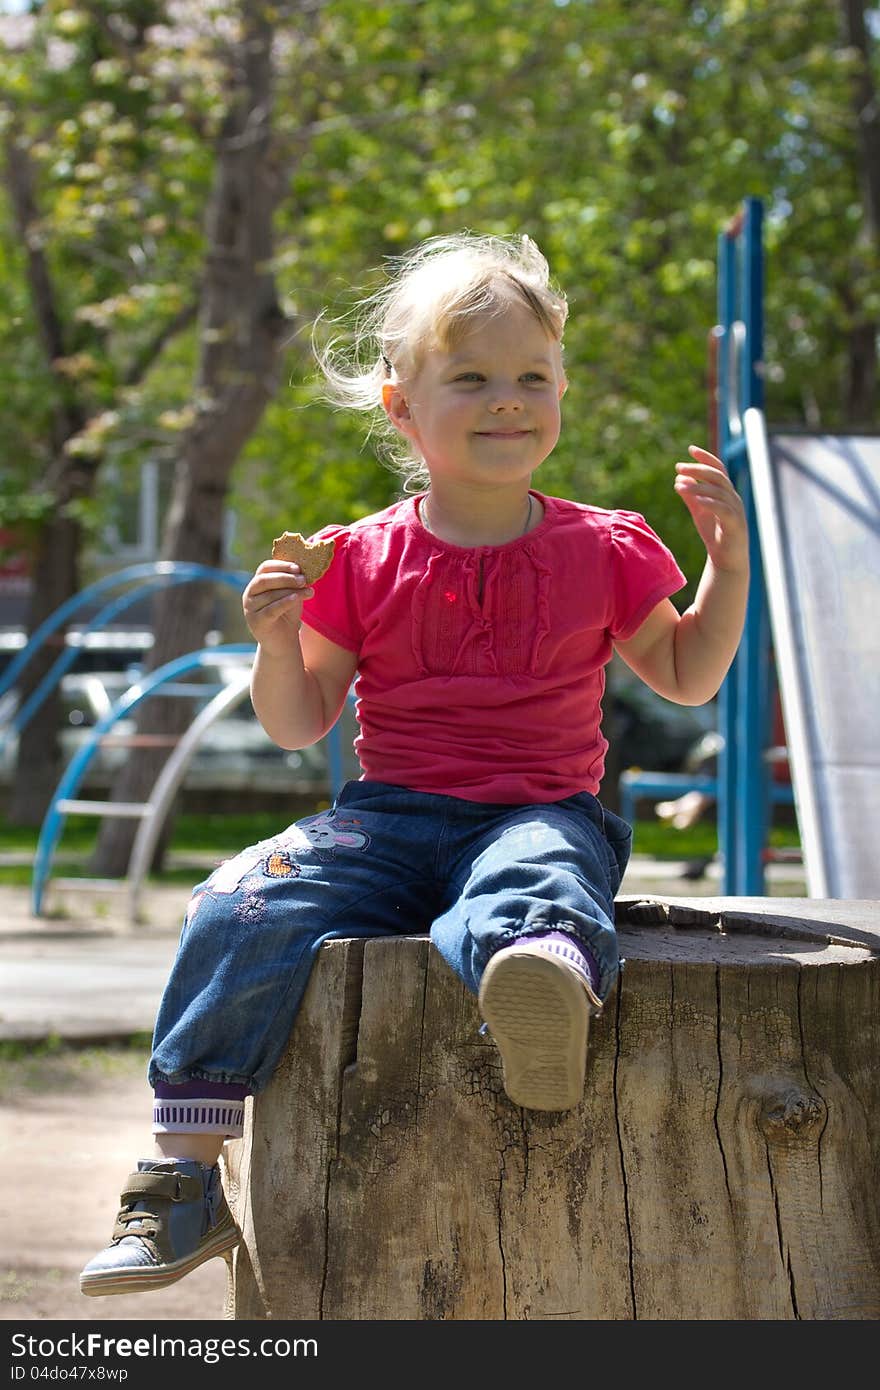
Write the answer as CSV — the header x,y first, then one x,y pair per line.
x,y
794,1115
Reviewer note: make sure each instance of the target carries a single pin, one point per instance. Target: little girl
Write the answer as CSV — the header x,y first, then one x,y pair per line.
x,y
477,616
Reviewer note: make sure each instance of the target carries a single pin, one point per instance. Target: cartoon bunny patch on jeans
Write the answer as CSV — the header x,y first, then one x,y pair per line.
x,y
329,830
317,836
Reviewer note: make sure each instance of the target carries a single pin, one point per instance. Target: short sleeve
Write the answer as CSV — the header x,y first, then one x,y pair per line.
x,y
645,572
333,609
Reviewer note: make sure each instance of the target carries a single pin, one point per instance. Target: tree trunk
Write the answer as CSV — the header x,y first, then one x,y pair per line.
x,y
241,330
861,386
39,760
55,562
721,1166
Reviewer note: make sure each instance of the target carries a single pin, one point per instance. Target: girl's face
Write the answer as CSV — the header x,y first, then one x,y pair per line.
x,y
486,411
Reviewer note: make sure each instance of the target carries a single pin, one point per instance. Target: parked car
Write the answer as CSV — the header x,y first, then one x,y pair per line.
x,y
648,731
234,754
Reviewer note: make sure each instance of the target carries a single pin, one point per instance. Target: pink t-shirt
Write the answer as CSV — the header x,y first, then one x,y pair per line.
x,y
481,671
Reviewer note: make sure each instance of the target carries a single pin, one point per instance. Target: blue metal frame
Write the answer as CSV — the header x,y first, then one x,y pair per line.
x,y
146,578
744,701
156,573
73,774
160,682
177,573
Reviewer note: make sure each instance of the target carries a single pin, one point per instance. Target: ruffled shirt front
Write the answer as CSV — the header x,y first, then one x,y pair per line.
x,y
481,670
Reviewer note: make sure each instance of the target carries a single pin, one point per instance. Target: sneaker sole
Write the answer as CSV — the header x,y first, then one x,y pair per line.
x,y
538,1014
140,1278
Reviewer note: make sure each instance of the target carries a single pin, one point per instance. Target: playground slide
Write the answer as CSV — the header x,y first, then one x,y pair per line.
x,y
817,500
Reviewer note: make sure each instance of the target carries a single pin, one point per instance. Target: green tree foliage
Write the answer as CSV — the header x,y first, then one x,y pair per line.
x,y
116,162
620,136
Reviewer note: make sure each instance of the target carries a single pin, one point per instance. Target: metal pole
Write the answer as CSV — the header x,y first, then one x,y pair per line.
x,y
727,696
753,696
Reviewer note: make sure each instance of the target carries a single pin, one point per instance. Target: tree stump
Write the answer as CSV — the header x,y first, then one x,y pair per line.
x,y
722,1165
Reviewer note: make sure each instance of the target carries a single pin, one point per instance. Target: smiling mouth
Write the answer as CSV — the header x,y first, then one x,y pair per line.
x,y
503,434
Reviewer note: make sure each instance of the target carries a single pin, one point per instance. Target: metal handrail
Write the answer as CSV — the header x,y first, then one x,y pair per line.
x,y
168,782
179,570
187,574
71,779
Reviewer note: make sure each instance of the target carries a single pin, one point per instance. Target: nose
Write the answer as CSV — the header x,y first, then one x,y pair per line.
x,y
505,397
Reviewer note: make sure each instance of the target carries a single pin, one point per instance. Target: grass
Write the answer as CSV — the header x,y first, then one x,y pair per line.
x,y
657,840
220,836
191,832
55,1065
194,835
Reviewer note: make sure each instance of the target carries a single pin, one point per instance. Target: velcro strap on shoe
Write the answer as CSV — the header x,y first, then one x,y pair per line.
x,y
145,1224
174,1187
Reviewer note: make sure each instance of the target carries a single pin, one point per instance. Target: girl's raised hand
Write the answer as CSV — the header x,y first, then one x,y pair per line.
x,y
272,604
716,508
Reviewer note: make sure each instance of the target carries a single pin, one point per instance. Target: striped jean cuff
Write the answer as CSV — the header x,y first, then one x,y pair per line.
x,y
199,1107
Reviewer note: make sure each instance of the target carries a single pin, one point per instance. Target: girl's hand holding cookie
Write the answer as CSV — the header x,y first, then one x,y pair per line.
x,y
716,508
273,599
272,604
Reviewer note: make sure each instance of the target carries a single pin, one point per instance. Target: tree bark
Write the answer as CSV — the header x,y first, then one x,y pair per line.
x,y
241,330
721,1165
55,554
39,758
861,388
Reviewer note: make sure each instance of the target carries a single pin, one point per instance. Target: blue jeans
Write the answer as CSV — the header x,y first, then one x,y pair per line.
x,y
383,861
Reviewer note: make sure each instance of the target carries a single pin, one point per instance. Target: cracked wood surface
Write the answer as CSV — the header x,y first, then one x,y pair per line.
x,y
720,1165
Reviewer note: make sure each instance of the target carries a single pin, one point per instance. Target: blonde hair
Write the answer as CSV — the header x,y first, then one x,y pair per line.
x,y
432,296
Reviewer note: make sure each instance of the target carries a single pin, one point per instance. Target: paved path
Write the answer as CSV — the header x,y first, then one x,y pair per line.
x,y
91,974
77,978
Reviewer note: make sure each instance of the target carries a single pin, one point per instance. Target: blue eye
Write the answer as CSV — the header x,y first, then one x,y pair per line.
x,y
469,376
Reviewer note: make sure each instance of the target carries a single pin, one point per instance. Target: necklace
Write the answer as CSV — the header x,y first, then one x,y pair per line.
x,y
423,513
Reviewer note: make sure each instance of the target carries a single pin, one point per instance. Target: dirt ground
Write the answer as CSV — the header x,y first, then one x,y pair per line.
x,y
72,1126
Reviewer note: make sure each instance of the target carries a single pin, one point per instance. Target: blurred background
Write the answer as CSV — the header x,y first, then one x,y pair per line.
x,y
188,184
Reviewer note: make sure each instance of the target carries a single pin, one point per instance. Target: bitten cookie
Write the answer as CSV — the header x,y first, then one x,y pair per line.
x,y
313,557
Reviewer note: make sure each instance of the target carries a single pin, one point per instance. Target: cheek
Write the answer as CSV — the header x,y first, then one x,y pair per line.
x,y
552,427
443,420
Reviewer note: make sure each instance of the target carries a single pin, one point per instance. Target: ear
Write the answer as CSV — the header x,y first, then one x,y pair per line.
x,y
395,405
563,387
